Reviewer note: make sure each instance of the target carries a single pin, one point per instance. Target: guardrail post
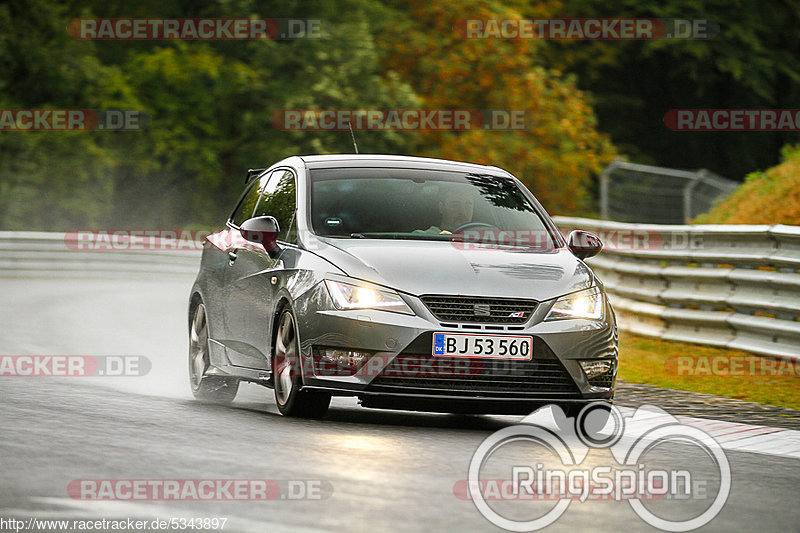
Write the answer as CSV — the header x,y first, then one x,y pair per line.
x,y
688,190
604,181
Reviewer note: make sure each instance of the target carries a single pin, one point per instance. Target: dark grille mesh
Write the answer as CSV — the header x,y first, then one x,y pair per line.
x,y
415,371
472,309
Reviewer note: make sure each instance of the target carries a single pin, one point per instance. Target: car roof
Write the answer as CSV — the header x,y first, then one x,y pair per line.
x,y
392,161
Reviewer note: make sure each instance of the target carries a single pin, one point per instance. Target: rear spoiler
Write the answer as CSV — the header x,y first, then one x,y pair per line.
x,y
252,173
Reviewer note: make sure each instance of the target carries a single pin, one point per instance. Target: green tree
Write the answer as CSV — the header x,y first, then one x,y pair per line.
x,y
210,104
754,62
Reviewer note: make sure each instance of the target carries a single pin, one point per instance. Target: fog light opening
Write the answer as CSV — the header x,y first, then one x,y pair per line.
x,y
596,367
339,361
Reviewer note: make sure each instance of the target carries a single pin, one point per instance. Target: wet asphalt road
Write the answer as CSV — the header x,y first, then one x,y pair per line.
x,y
381,470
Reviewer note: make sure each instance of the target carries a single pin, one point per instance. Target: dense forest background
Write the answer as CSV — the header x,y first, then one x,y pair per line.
x,y
211,103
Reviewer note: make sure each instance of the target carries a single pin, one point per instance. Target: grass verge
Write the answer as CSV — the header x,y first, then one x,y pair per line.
x,y
696,368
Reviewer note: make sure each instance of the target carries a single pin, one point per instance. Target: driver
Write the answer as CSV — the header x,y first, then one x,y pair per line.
x,y
455,206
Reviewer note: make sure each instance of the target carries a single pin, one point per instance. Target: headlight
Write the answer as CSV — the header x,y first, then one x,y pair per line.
x,y
351,296
583,304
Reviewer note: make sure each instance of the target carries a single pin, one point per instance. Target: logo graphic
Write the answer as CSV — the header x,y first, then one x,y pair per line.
x,y
481,310
633,434
438,344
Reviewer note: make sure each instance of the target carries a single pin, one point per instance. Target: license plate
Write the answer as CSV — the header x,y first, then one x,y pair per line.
x,y
486,346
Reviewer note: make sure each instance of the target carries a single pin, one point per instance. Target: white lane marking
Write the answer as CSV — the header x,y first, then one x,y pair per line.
x,y
142,510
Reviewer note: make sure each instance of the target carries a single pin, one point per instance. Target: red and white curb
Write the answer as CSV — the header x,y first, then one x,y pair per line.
x,y
765,440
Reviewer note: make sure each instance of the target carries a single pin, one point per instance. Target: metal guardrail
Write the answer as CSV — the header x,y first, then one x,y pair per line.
x,y
734,286
35,254
729,285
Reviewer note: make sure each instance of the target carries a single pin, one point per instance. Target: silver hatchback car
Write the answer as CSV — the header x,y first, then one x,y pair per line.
x,y
411,283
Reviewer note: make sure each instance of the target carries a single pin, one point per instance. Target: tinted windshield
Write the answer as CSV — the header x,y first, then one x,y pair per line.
x,y
423,205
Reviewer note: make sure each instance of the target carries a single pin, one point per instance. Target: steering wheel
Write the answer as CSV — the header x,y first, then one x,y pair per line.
x,y
471,225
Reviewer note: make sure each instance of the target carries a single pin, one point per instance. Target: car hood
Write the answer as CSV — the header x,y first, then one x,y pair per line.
x,y
431,267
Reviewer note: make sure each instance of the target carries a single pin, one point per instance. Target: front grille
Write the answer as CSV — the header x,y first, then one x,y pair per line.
x,y
416,372
480,310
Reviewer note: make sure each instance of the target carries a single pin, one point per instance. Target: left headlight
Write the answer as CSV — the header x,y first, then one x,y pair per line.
x,y
351,296
588,304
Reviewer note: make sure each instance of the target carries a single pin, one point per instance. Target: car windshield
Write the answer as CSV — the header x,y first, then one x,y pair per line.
x,y
424,205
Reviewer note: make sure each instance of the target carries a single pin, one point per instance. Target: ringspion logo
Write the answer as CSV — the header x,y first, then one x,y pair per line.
x,y
553,468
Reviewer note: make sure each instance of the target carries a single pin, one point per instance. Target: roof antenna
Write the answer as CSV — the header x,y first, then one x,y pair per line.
x,y
350,125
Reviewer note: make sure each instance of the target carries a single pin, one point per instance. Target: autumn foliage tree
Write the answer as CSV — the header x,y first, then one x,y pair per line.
x,y
558,152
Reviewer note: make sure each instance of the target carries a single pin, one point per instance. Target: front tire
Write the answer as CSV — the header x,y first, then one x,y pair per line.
x,y
287,375
206,388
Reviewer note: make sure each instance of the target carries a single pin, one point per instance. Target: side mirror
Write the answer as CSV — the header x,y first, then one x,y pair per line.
x,y
264,231
584,244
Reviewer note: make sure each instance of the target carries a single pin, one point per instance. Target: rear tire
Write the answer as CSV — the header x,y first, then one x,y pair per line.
x,y
206,388
287,375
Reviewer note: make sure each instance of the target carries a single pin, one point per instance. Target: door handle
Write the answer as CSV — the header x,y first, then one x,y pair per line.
x,y
232,255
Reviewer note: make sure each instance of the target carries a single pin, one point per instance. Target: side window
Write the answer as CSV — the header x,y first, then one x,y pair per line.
x,y
278,199
248,204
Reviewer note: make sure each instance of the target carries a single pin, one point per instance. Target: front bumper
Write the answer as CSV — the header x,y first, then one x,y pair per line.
x,y
402,372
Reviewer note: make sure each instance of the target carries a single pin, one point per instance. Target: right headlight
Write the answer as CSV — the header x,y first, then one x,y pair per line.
x,y
589,304
356,296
